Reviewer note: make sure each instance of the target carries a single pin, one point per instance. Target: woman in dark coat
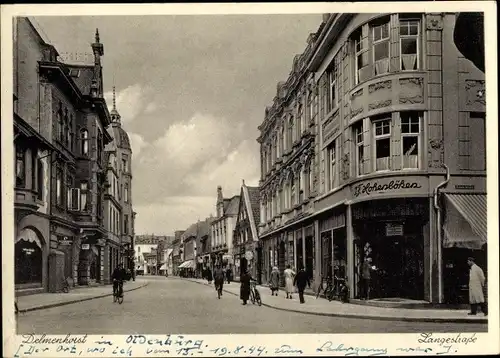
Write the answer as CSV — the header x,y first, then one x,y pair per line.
x,y
245,287
209,276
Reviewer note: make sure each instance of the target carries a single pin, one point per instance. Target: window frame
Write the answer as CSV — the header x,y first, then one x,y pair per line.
x,y
40,179
59,186
374,43
359,144
358,39
409,36
332,88
84,139
383,136
411,134
84,190
20,171
331,162
293,188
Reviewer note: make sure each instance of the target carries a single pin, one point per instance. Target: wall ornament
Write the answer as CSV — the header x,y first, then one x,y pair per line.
x,y
380,85
380,104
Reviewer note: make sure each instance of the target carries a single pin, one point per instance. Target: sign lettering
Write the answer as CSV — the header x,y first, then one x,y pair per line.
x,y
369,188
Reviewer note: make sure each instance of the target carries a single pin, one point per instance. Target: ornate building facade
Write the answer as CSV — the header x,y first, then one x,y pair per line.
x,y
355,163
64,104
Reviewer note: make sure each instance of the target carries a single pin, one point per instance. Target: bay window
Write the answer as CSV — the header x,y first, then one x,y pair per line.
x,y
84,190
332,166
382,131
409,30
410,139
381,48
359,148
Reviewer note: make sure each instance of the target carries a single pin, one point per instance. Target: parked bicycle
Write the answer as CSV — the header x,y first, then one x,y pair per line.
x,y
328,291
254,293
65,285
118,291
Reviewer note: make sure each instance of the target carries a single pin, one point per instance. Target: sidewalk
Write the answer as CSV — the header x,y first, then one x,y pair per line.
x,y
322,307
79,294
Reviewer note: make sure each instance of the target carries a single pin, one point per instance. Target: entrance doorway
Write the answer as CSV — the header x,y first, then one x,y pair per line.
x,y
397,259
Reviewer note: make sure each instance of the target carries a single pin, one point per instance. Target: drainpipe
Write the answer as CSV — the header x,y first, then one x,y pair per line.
x,y
439,235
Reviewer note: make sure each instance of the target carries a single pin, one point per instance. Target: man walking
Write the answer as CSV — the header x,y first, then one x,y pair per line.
x,y
301,279
219,278
366,269
476,286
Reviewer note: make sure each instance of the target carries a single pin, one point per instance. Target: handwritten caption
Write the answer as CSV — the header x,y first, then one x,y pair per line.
x,y
179,345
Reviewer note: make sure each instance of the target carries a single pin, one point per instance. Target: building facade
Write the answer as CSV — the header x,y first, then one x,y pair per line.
x,y
64,103
203,245
247,250
222,229
145,244
355,162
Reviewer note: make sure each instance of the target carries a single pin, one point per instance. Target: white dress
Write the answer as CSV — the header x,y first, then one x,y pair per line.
x,y
289,275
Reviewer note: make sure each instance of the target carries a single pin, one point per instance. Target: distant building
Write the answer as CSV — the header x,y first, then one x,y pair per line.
x,y
146,244
203,244
222,229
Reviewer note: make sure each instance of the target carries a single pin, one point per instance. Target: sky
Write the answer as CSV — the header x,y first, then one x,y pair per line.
x,y
191,91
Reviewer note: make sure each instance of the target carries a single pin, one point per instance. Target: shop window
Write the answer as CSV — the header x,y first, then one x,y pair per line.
x,y
332,166
362,59
410,139
40,179
359,148
381,48
59,185
409,32
84,137
20,167
28,265
382,130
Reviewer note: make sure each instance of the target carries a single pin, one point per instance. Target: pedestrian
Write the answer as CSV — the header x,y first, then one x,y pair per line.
x,y
301,279
229,275
476,287
245,286
366,269
274,281
209,276
289,275
219,277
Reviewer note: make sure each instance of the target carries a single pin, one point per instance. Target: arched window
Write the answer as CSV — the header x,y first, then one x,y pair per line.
x,y
84,136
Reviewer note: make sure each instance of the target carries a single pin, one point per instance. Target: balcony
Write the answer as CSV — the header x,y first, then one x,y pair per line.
x,y
25,200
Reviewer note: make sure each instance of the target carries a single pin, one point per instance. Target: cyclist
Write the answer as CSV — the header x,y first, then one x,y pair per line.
x,y
118,276
219,278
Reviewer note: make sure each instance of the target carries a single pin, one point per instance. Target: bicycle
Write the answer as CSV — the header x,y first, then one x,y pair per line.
x,y
341,291
255,294
329,291
118,292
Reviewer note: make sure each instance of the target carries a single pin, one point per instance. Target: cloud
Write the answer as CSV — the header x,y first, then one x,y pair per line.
x,y
137,143
131,102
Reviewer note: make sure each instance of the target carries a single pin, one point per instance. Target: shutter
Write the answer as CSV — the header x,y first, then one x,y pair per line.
x,y
75,201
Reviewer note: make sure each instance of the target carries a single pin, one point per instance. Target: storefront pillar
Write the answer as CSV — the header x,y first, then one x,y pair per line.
x,y
350,252
317,256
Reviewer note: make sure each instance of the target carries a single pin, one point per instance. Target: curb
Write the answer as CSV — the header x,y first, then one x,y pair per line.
x,y
52,305
378,318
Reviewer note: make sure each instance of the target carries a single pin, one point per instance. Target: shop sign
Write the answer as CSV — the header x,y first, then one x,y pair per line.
x,y
65,241
85,246
377,187
393,229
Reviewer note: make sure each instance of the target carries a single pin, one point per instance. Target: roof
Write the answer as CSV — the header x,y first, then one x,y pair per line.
x,y
250,208
151,239
120,136
233,205
84,80
192,230
254,196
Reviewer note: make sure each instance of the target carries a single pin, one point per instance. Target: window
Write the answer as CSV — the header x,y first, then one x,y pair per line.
x,y
70,134
84,190
381,48
362,59
310,183
382,129
39,179
34,156
59,176
126,193
332,89
84,136
124,165
332,166
125,225
282,141
69,185
291,132
310,103
359,148
301,185
65,138
301,126
410,138
408,38
20,167
292,191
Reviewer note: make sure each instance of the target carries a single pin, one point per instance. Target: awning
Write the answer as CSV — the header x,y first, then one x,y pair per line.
x,y
187,264
465,224
163,267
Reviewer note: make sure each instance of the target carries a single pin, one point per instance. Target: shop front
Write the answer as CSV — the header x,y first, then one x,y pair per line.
x,y
91,261
29,259
464,235
333,241
393,234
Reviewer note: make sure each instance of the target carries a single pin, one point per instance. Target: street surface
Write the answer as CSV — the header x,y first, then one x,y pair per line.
x,y
171,305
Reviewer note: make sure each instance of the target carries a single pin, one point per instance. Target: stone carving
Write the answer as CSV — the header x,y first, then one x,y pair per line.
x,y
380,85
355,112
357,94
345,166
436,143
414,81
411,100
475,92
434,21
380,104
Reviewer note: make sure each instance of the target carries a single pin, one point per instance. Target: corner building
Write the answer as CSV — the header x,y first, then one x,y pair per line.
x,y
368,177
